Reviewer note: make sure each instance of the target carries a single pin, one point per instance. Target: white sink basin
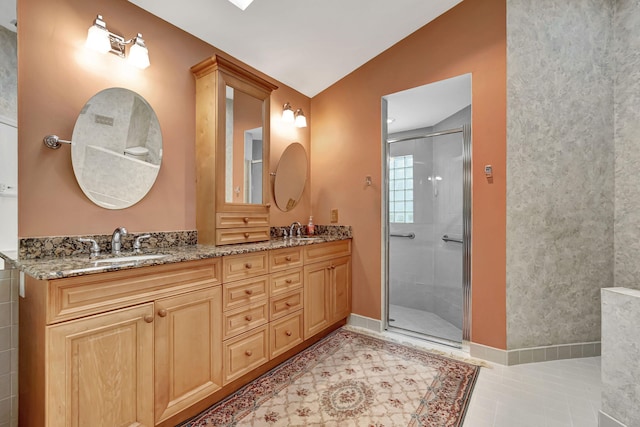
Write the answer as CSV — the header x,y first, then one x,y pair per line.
x,y
129,258
307,239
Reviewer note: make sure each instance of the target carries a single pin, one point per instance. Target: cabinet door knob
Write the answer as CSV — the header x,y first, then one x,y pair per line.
x,y
246,219
268,205
162,312
288,281
288,304
249,291
148,318
246,235
249,318
248,265
288,258
248,352
288,333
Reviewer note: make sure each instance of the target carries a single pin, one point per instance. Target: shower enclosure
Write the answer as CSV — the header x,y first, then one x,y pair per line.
x,y
427,214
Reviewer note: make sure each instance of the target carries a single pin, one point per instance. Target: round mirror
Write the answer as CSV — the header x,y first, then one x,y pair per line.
x,y
116,148
291,177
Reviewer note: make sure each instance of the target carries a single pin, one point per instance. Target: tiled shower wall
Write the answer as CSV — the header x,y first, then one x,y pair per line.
x,y
425,272
627,150
560,169
8,348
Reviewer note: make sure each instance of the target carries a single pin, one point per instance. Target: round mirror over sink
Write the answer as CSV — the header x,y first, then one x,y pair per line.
x,y
291,177
116,148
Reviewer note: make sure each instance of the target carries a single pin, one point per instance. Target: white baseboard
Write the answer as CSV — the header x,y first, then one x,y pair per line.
x,y
374,325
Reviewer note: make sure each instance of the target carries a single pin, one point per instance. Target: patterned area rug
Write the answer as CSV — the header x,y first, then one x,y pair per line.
x,y
351,379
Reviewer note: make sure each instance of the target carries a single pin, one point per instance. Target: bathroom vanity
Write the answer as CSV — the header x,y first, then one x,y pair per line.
x,y
156,343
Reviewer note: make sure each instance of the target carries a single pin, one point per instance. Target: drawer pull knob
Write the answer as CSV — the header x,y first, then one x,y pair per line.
x,y
288,304
248,353
249,318
246,235
246,219
288,257
248,265
249,291
288,281
148,318
288,333
162,312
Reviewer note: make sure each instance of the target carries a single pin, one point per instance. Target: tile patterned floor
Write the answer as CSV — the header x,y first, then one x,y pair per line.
x,y
562,393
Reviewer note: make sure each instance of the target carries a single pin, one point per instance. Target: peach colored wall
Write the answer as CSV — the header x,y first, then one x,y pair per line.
x,y
57,75
470,38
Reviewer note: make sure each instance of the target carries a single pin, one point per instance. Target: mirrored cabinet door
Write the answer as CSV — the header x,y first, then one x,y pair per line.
x,y
232,153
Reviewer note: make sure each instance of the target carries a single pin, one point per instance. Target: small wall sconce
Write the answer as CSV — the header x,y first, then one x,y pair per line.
x,y
301,120
102,40
288,116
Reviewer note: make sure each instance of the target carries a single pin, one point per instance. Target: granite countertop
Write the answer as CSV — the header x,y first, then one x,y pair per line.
x,y
78,265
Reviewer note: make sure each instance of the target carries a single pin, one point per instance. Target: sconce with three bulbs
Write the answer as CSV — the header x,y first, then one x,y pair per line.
x,y
298,119
102,40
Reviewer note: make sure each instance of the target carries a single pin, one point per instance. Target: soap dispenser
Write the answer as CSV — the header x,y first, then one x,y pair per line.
x,y
311,229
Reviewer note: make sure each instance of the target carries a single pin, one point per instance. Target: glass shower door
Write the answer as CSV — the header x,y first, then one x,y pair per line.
x,y
426,219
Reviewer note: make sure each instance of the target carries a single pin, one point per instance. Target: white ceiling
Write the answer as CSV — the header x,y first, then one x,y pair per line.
x,y
306,44
427,105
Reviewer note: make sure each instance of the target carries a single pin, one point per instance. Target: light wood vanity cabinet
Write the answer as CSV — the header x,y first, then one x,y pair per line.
x,y
156,345
327,285
125,348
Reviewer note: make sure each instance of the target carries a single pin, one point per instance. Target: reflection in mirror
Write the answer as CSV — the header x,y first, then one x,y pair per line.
x,y
291,177
243,148
116,148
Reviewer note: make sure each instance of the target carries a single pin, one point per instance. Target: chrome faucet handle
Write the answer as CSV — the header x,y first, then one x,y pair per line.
x,y
136,243
284,232
95,248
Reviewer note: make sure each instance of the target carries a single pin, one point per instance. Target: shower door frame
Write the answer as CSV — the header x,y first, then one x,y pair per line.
x,y
466,228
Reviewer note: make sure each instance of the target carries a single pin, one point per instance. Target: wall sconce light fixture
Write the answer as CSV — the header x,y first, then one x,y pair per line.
x,y
301,120
102,40
288,116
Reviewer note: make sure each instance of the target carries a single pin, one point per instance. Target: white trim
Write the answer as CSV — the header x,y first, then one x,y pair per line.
x,y
363,322
8,121
520,356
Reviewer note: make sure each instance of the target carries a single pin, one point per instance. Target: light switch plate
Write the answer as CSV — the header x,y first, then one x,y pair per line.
x,y
334,215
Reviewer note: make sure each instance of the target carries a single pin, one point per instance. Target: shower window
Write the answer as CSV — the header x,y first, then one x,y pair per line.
x,y
401,189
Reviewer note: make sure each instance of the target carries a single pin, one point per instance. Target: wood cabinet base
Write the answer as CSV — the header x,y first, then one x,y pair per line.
x,y
247,378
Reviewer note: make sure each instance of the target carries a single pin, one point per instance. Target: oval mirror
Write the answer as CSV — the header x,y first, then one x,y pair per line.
x,y
291,177
116,148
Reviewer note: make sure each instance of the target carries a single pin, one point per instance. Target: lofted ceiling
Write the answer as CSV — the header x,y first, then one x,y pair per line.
x,y
306,44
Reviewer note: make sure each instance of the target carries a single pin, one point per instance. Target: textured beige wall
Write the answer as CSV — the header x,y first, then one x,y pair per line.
x,y
627,151
560,169
8,74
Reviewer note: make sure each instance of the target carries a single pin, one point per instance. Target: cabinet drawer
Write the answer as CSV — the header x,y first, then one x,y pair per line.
x,y
237,294
285,281
285,333
245,352
241,220
231,236
325,251
283,259
96,293
285,304
243,266
243,319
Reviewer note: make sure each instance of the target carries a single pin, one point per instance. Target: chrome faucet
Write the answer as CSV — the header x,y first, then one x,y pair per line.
x,y
116,240
293,224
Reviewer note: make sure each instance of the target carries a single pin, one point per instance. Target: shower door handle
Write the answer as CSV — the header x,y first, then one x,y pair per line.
x,y
446,238
408,235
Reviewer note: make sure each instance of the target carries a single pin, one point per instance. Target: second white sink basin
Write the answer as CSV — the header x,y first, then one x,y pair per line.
x,y
129,258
